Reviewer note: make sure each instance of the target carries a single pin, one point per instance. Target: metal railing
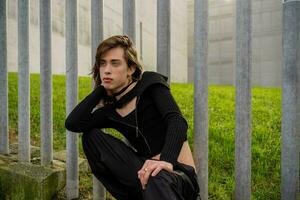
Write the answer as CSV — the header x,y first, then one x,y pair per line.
x,y
290,87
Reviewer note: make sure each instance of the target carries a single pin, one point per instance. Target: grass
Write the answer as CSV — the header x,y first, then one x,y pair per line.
x,y
266,126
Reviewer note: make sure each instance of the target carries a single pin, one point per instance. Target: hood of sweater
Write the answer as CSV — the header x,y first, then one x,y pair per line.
x,y
148,79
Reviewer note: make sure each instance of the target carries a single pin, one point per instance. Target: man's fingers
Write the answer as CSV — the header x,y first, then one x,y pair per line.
x,y
145,173
143,180
156,171
152,167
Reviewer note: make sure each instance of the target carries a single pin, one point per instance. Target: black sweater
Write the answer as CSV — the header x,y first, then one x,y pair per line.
x,y
155,126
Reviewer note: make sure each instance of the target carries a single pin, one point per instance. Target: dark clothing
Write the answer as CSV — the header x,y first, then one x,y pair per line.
x,y
155,126
158,125
116,165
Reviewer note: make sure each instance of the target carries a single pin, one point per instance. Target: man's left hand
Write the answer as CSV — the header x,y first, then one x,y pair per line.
x,y
152,168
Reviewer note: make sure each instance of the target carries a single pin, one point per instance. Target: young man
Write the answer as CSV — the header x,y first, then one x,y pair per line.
x,y
159,163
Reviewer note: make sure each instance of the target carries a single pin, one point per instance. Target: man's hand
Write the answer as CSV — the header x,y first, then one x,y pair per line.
x,y
152,167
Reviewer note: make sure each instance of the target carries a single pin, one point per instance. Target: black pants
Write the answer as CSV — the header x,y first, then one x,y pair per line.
x,y
116,166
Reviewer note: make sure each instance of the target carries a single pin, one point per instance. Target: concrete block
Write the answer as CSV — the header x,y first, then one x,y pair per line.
x,y
29,181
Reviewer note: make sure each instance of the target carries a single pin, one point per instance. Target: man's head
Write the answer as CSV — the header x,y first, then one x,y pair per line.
x,y
130,56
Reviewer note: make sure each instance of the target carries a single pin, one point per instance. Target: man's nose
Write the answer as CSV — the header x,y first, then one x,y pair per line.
x,y
107,69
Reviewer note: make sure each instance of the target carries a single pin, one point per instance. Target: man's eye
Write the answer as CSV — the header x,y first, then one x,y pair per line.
x,y
115,63
102,64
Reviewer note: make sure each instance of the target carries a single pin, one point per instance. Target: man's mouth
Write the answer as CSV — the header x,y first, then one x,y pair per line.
x,y
107,80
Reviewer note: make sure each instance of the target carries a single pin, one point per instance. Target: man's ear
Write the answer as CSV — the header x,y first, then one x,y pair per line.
x,y
131,70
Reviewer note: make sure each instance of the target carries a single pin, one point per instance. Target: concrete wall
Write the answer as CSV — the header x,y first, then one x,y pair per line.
x,y
145,35
266,46
179,40
146,15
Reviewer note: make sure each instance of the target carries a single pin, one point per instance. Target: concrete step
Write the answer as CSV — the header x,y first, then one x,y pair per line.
x,y
31,180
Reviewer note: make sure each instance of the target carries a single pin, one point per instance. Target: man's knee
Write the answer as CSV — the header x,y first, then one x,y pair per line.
x,y
91,133
91,136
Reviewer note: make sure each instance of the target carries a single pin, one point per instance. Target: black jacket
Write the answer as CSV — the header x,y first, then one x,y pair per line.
x,y
155,126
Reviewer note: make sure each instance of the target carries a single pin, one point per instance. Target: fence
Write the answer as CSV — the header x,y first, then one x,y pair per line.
x,y
290,87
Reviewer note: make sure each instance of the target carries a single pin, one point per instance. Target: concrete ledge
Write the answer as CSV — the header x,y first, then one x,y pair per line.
x,y
29,181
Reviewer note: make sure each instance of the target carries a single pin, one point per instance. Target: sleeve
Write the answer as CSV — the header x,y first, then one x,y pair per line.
x,y
82,118
176,125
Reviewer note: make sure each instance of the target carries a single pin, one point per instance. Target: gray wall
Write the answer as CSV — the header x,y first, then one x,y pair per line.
x,y
266,47
145,35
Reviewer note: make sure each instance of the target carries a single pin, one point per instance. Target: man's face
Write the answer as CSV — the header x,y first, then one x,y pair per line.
x,y
114,71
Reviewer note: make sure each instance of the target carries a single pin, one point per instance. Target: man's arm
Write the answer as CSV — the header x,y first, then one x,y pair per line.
x,y
81,118
176,128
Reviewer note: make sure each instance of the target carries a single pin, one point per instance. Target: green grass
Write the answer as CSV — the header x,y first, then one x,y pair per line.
x,y
266,126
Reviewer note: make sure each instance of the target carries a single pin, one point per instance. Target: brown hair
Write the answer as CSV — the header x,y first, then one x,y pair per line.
x,y
130,55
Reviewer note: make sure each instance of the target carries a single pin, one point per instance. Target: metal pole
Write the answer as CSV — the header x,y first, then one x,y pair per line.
x,y
163,37
72,96
290,101
97,37
4,139
129,19
98,190
46,83
201,95
96,25
243,101
23,82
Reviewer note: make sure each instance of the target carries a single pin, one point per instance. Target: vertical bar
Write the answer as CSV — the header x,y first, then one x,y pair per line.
x,y
46,83
72,96
4,139
129,25
96,25
163,37
97,37
243,101
129,19
23,82
98,190
290,101
141,41
201,95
